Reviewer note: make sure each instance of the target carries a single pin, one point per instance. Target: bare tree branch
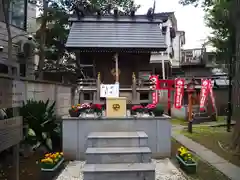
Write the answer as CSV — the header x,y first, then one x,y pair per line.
x,y
5,8
42,40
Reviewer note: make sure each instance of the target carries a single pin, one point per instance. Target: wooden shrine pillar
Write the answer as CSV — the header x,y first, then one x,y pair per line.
x,y
163,70
80,91
134,88
116,68
98,88
81,97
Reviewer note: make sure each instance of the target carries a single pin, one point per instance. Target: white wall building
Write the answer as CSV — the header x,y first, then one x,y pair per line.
x,y
175,39
178,42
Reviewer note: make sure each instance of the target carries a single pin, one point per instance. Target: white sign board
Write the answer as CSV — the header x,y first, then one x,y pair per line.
x,y
109,90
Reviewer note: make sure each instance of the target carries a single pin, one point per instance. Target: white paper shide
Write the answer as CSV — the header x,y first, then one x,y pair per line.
x,y
109,90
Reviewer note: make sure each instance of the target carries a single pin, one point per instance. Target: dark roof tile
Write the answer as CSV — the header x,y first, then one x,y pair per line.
x,y
109,35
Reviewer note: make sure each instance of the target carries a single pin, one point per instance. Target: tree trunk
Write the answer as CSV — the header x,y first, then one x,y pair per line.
x,y
236,132
6,5
236,137
39,74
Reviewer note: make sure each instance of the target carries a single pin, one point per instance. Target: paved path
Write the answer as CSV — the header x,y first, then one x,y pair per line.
x,y
165,170
207,124
213,123
230,170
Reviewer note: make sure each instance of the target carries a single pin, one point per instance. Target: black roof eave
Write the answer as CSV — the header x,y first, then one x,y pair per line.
x,y
116,49
193,65
110,19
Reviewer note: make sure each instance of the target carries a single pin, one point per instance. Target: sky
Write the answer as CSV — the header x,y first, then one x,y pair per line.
x,y
189,19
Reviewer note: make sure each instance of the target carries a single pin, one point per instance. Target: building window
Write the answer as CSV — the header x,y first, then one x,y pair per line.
x,y
88,96
23,70
3,69
18,13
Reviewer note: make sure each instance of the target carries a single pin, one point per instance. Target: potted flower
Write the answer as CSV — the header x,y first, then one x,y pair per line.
x,y
158,110
84,108
74,111
97,109
149,108
186,160
51,165
137,109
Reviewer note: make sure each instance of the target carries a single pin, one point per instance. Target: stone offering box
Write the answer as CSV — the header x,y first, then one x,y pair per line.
x,y
116,107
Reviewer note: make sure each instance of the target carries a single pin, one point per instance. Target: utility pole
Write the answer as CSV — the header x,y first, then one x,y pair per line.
x,y
229,111
232,55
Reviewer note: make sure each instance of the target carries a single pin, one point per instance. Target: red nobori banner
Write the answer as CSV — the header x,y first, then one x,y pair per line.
x,y
155,97
212,96
179,89
205,87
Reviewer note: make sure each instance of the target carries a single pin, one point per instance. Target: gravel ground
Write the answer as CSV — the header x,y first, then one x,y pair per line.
x,y
165,170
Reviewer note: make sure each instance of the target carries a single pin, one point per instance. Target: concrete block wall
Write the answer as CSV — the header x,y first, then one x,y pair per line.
x,y
62,94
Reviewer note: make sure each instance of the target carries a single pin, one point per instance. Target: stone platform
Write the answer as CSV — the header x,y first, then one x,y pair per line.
x,y
76,130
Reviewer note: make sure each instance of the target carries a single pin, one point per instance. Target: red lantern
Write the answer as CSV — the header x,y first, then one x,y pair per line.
x,y
154,84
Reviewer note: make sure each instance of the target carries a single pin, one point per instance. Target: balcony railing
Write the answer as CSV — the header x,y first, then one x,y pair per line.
x,y
192,61
193,57
159,57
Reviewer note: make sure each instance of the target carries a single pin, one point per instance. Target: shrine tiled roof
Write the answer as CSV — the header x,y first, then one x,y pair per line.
x,y
112,33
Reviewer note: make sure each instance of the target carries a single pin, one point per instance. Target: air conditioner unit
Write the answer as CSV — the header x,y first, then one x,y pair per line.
x,y
159,58
25,49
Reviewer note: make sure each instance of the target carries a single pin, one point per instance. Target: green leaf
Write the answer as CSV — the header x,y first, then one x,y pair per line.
x,y
31,132
37,145
49,143
44,135
40,118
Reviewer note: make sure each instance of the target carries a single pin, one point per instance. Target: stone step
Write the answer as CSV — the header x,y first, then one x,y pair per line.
x,y
135,171
118,155
117,139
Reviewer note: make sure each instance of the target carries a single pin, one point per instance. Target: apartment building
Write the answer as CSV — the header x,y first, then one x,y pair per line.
x,y
22,15
168,60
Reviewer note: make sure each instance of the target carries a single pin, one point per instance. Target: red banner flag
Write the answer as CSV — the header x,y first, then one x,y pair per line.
x,y
179,89
205,87
212,96
155,97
